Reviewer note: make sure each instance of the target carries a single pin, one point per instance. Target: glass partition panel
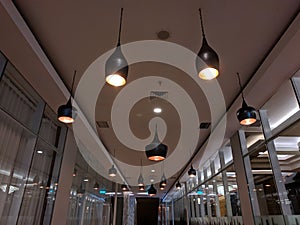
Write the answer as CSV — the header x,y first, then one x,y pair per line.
x,y
16,150
19,99
179,212
254,138
263,188
50,129
227,152
90,196
217,164
287,150
285,98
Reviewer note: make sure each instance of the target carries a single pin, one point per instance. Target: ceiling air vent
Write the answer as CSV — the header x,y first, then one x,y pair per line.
x,y
204,125
103,124
158,94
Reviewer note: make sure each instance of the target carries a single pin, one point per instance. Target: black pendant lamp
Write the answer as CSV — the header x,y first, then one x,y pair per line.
x,y
161,186
156,151
141,179
247,114
116,67
152,191
96,186
207,62
178,185
192,172
142,187
124,187
163,180
67,113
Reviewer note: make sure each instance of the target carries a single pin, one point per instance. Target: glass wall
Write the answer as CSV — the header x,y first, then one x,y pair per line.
x,y
31,147
91,196
213,198
274,159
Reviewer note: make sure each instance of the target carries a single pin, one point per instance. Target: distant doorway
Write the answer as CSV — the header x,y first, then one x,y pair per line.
x,y
147,211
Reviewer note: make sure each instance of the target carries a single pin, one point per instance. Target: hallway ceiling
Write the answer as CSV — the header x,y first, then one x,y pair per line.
x,y
75,33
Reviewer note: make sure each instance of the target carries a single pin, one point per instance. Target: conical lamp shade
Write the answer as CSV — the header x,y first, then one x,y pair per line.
x,y
207,62
178,185
192,172
156,151
124,187
141,187
152,191
116,66
116,69
96,186
246,115
163,180
66,113
112,172
140,180
161,186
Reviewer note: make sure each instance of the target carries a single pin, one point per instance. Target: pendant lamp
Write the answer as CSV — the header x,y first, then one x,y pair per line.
x,y
247,114
163,180
74,172
124,187
156,151
161,186
112,172
67,113
192,172
178,185
116,66
207,62
96,186
152,191
141,179
141,187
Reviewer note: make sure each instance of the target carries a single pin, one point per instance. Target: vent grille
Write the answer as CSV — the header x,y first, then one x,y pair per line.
x,y
158,94
204,125
103,124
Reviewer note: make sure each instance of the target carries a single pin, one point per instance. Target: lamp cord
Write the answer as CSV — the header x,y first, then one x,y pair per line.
x,y
241,89
201,21
120,28
73,82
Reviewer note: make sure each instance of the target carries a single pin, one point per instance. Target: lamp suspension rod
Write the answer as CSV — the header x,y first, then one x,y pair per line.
x,y
201,21
73,81
241,89
120,28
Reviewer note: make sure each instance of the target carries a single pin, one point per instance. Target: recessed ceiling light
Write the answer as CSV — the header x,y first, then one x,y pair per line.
x,y
152,171
152,180
157,110
39,151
